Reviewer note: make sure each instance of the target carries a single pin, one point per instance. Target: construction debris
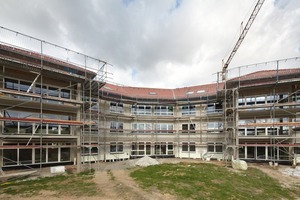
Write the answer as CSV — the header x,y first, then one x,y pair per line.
x,y
292,171
146,161
239,164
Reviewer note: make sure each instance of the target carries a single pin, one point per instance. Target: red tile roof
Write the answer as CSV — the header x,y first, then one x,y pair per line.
x,y
158,93
267,74
46,58
198,91
256,78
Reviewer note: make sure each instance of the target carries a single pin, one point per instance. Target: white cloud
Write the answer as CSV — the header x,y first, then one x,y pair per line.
x,y
170,43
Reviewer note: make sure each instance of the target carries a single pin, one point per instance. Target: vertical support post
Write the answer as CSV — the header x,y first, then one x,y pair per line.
x,y
277,69
41,111
78,130
236,123
2,122
90,124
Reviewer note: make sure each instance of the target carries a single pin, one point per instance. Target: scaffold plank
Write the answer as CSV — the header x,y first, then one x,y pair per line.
x,y
41,120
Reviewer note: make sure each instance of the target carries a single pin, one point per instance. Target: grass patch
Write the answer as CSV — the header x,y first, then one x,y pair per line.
x,y
209,181
72,184
111,175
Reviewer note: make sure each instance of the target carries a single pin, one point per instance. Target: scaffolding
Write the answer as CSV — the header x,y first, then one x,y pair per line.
x,y
156,138
104,122
267,105
60,82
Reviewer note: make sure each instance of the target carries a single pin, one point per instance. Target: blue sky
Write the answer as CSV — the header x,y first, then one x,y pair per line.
x,y
169,43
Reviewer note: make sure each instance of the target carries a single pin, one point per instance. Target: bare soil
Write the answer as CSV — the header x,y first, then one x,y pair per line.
x,y
114,182
277,173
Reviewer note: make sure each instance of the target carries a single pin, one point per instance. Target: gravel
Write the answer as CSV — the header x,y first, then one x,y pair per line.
x,y
126,164
146,161
292,172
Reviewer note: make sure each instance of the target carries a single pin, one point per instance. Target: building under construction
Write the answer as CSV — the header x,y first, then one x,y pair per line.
x,y
54,112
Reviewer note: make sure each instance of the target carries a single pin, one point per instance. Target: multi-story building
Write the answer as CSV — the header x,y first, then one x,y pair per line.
x,y
262,115
41,101
184,122
54,112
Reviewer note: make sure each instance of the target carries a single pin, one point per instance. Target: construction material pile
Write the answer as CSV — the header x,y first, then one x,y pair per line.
x,y
126,164
292,172
146,161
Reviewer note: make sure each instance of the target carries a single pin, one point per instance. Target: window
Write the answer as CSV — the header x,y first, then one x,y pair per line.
x,y
64,93
283,153
11,84
250,152
250,101
188,128
272,98
160,148
53,154
211,147
255,100
242,152
11,127
242,131
53,129
116,127
142,127
40,155
283,130
116,147
261,153
189,110
54,92
272,131
163,148
260,100
283,98
188,147
94,106
250,131
116,107
10,156
24,86
261,131
219,148
65,154
141,148
214,107
39,90
296,98
141,110
164,128
19,86
215,147
25,156
20,155
214,125
88,149
297,150
241,101
163,110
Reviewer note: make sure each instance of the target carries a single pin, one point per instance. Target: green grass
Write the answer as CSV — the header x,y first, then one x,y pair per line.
x,y
186,181
72,184
111,175
209,181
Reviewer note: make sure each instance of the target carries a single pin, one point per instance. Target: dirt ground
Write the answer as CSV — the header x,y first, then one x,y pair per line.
x,y
286,181
123,187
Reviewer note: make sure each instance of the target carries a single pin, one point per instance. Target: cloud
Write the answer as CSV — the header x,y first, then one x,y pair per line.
x,y
170,43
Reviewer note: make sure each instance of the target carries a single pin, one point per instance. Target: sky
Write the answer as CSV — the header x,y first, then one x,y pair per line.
x,y
161,43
